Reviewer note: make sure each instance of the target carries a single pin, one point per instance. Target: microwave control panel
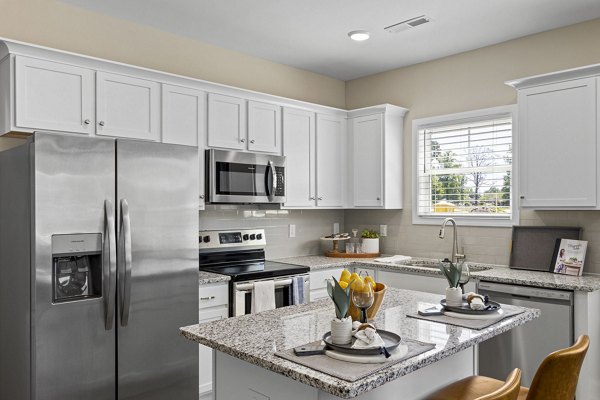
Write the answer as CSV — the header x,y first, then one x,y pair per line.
x,y
280,191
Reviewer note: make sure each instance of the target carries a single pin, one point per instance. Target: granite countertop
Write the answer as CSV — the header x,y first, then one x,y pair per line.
x,y
205,278
483,272
256,338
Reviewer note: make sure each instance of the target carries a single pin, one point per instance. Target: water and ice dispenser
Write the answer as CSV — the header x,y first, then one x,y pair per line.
x,y
76,267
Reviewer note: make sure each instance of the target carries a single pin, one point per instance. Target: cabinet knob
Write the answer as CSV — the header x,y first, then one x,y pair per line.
x,y
312,198
252,141
379,198
101,123
87,122
202,196
320,198
243,140
522,197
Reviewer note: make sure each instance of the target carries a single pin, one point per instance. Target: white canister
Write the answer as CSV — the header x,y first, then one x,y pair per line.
x,y
370,245
341,330
454,296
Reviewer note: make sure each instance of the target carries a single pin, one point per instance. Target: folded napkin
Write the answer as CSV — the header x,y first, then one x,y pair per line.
x,y
393,259
476,301
367,338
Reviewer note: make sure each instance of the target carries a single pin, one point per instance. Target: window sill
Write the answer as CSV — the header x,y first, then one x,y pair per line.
x,y
467,221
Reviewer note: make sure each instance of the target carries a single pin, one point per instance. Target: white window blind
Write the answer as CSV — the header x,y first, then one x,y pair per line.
x,y
465,169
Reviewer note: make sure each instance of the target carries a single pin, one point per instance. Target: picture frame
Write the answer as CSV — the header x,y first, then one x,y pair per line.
x,y
569,257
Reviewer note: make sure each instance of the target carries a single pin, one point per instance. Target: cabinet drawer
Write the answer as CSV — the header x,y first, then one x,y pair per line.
x,y
318,279
213,295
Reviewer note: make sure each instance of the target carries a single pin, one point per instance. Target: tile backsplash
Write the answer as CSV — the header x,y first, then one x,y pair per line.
x,y
310,226
482,244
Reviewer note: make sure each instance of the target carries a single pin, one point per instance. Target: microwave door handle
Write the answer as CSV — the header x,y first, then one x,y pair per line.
x,y
272,186
110,264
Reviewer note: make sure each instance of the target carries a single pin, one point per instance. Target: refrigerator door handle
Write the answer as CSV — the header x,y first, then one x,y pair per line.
x,y
110,264
125,270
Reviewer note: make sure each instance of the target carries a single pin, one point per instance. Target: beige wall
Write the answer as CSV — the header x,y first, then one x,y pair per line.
x,y
62,26
465,82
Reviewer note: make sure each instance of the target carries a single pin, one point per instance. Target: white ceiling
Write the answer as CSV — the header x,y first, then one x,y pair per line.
x,y
312,34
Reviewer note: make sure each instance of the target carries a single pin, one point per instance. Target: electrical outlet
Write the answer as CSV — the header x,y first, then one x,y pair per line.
x,y
382,230
336,227
292,232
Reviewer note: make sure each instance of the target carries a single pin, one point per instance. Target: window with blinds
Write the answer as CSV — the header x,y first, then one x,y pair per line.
x,y
465,168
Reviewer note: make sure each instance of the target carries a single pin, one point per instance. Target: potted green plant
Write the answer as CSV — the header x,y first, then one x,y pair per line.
x,y
370,241
341,326
452,272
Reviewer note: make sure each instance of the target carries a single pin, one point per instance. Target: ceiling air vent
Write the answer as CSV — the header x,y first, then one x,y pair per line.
x,y
409,23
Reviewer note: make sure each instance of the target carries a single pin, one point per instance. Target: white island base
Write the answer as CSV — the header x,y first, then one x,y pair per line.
x,y
240,380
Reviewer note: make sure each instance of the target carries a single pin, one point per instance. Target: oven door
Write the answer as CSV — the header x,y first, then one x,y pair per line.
x,y
236,177
242,295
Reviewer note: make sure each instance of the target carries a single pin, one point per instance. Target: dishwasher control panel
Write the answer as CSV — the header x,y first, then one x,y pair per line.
x,y
525,291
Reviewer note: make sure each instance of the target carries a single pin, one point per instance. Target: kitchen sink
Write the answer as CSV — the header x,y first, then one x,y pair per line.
x,y
433,264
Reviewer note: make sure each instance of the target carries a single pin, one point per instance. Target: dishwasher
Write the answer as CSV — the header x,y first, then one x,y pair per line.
x,y
527,345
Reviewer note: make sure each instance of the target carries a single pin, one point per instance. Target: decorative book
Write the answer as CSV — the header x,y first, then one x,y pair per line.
x,y
569,256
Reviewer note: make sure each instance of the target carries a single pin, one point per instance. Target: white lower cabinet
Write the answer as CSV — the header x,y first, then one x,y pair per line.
x,y
421,283
213,306
318,282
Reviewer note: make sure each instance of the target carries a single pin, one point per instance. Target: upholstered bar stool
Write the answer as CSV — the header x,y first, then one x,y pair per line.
x,y
555,379
465,389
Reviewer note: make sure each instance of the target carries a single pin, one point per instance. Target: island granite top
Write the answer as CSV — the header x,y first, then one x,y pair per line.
x,y
256,338
483,272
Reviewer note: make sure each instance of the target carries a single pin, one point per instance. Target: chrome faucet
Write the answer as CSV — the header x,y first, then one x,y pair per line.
x,y
455,256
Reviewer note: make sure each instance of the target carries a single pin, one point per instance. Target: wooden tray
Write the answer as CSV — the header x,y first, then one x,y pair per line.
x,y
337,254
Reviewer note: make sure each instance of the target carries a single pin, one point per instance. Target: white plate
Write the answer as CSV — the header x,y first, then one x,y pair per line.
x,y
495,315
398,352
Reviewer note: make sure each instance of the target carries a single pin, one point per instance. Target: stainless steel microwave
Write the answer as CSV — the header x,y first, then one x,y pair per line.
x,y
244,178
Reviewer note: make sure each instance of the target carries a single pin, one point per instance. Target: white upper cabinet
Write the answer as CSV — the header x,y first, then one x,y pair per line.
x,y
184,122
264,127
183,115
558,145
367,160
375,157
54,96
226,122
299,150
331,160
127,107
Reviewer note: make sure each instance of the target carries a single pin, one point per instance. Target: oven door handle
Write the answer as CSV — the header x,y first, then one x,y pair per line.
x,y
248,287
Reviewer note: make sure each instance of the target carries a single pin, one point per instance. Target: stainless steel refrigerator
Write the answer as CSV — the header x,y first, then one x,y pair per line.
x,y
98,269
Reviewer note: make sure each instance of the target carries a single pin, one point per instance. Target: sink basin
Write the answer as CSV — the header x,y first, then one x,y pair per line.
x,y
433,264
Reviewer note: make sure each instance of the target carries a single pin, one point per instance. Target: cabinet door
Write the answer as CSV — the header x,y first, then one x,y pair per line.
x,y
127,107
299,150
183,115
184,122
205,353
53,96
367,160
226,122
558,145
264,127
331,161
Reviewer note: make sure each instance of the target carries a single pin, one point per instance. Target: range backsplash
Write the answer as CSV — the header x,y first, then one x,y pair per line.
x,y
310,226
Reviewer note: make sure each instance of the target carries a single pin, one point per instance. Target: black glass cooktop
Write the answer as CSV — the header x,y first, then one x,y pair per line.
x,y
243,271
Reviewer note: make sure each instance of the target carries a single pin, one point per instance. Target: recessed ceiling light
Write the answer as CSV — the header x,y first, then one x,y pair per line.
x,y
359,36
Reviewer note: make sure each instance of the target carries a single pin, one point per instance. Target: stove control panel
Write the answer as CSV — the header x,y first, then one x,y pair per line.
x,y
232,238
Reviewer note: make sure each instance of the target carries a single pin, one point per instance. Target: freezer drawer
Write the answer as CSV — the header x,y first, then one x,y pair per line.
x,y
526,346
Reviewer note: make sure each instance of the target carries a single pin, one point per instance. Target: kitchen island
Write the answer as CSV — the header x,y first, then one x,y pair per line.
x,y
247,367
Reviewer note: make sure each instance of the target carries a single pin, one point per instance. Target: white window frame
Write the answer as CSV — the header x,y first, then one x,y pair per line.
x,y
458,118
